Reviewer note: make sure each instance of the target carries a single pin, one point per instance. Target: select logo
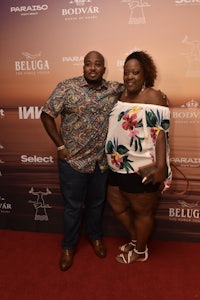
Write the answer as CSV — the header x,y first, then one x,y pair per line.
x,y
25,159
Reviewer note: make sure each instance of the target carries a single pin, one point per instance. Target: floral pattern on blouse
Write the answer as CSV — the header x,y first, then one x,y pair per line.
x,y
132,135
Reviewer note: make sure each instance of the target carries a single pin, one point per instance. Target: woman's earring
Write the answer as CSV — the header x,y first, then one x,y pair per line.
x,y
143,87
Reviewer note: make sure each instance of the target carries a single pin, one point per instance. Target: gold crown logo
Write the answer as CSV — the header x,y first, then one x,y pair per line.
x,y
191,104
79,2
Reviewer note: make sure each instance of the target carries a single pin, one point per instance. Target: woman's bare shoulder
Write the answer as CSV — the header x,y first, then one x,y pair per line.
x,y
156,97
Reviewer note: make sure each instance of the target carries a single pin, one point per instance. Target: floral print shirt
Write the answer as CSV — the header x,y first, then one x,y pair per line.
x,y
84,119
132,135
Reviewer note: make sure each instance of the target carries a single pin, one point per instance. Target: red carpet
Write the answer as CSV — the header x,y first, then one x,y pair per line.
x,y
29,271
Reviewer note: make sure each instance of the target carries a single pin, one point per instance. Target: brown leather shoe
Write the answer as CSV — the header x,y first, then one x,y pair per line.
x,y
66,259
99,248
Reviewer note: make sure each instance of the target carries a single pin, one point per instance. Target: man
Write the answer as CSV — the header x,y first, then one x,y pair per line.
x,y
84,104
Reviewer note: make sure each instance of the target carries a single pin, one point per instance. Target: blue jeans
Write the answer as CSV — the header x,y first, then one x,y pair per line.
x,y
81,190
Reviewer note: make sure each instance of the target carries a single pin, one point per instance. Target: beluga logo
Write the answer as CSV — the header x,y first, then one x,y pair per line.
x,y
32,64
185,212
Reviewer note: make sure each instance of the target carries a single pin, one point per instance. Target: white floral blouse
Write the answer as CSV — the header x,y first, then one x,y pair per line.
x,y
132,135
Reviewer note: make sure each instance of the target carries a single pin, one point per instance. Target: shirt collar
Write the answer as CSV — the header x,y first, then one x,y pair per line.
x,y
104,83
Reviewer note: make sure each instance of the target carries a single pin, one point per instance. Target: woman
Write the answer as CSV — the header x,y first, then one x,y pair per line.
x,y
138,136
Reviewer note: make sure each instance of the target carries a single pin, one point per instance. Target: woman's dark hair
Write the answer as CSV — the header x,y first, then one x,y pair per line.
x,y
148,66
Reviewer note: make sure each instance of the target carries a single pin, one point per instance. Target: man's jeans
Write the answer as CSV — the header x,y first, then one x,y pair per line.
x,y
81,190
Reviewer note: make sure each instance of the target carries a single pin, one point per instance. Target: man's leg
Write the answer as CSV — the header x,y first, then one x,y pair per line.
x,y
94,206
73,188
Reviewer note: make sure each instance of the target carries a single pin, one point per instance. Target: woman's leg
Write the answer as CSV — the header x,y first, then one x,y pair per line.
x,y
144,206
121,209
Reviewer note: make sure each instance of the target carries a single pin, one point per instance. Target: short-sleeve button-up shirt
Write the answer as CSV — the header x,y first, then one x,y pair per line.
x,y
84,119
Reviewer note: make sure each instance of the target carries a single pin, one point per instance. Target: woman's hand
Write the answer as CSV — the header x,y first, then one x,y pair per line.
x,y
156,175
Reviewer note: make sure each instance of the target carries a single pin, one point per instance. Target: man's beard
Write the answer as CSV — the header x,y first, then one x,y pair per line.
x,y
93,81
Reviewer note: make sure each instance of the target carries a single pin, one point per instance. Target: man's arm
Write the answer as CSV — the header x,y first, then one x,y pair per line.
x,y
51,129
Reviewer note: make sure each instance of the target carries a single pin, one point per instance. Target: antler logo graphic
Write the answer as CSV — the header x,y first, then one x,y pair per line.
x,y
39,204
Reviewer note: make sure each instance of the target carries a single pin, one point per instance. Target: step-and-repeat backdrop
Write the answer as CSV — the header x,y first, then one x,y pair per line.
x,y
44,42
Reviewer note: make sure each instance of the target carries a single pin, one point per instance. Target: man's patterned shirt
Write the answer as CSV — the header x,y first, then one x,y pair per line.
x,y
84,119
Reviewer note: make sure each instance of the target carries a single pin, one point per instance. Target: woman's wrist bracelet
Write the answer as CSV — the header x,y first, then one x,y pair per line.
x,y
62,147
